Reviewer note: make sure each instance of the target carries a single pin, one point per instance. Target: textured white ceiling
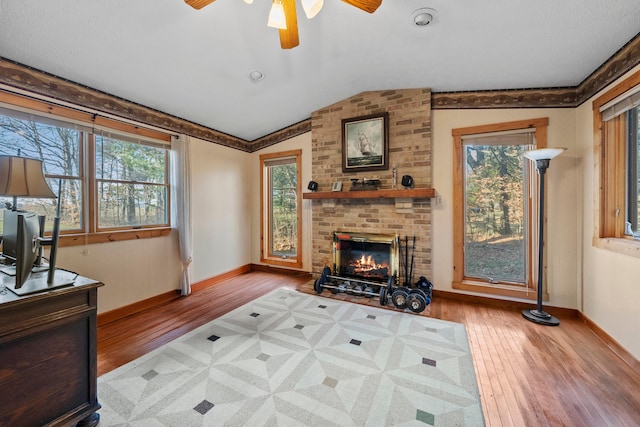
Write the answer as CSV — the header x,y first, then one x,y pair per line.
x,y
195,64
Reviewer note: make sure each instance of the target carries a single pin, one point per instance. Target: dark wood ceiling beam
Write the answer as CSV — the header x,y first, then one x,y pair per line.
x,y
41,83
520,98
627,57
619,63
281,135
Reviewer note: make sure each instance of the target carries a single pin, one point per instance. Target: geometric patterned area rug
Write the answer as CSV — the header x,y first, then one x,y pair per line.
x,y
293,359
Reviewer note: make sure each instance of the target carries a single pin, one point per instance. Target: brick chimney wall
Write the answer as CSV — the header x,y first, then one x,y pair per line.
x,y
409,150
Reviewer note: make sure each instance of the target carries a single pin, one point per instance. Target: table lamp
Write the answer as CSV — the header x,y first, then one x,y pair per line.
x,y
23,177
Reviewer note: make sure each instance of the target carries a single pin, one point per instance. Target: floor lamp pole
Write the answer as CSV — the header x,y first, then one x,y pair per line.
x,y
542,158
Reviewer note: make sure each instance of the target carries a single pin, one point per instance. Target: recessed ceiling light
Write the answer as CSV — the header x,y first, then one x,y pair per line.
x,y
423,17
256,75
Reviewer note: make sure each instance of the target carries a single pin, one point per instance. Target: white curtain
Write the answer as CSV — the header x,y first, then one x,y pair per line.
x,y
181,207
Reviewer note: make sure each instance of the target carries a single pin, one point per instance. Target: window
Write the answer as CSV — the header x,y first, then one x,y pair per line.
x,y
108,180
617,141
633,172
281,228
132,184
494,208
60,146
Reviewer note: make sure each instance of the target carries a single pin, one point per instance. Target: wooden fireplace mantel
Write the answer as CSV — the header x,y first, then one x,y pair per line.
x,y
417,193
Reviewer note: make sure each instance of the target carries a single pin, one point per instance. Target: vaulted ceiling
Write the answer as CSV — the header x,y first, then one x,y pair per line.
x,y
195,64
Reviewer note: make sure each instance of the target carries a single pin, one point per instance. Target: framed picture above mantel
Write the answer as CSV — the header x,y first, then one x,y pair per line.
x,y
365,143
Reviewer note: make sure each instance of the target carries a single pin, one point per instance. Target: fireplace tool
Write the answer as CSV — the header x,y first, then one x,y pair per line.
x,y
413,253
405,266
405,296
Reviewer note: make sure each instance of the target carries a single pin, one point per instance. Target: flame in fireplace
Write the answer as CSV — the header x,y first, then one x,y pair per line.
x,y
365,255
366,264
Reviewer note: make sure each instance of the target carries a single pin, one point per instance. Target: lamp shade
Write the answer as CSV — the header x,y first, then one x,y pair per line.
x,y
312,7
544,153
22,176
277,18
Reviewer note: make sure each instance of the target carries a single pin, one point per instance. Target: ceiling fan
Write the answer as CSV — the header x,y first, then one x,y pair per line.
x,y
284,17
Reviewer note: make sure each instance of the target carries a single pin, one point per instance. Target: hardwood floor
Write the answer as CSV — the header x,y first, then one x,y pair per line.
x,y
528,374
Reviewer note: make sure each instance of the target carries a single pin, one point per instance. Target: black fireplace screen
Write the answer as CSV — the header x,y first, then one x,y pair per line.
x,y
366,256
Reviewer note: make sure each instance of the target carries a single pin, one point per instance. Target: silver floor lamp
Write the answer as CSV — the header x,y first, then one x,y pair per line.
x,y
542,158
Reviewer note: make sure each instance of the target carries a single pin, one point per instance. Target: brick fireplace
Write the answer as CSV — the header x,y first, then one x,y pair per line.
x,y
409,150
366,256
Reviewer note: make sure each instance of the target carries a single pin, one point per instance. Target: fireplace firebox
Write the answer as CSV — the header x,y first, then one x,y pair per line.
x,y
365,256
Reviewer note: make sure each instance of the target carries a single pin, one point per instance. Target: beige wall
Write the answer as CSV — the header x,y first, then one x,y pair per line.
x,y
610,291
131,270
561,196
221,209
302,142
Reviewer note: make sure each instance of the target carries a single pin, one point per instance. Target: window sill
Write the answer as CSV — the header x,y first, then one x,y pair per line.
x,y
112,236
502,290
625,246
290,262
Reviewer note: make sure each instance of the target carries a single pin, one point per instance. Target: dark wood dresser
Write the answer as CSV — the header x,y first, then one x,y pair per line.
x,y
48,366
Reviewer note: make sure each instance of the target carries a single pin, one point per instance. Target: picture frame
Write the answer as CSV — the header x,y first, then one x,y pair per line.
x,y
365,143
337,186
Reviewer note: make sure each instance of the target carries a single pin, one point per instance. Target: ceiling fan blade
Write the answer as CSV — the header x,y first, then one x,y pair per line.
x,y
366,5
289,37
198,4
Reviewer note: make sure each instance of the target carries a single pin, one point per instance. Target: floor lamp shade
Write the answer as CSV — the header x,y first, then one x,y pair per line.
x,y
542,158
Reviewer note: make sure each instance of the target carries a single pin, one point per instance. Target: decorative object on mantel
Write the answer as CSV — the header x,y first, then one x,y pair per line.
x,y
337,186
541,157
407,181
364,185
284,17
313,186
365,143
415,193
394,177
